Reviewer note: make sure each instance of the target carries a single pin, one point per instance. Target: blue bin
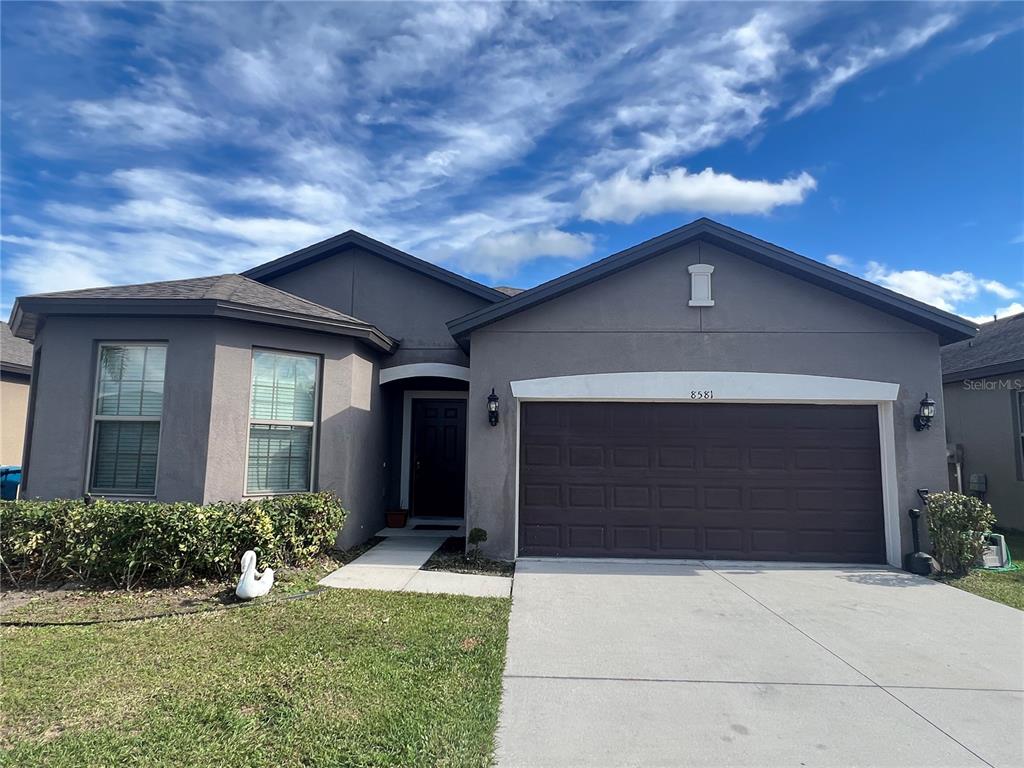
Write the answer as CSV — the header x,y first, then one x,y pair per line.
x,y
10,479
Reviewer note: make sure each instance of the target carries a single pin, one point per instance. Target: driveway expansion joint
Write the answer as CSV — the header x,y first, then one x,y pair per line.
x,y
851,666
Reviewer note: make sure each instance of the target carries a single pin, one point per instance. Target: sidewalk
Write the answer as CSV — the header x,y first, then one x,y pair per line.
x,y
394,566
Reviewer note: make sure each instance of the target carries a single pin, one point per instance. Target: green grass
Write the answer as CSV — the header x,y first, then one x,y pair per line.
x,y
1005,587
343,678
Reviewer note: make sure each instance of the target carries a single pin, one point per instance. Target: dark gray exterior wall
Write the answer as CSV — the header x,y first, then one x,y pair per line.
x,y
64,402
638,320
204,431
981,415
407,306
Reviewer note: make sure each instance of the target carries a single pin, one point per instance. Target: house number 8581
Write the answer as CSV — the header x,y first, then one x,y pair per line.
x,y
702,394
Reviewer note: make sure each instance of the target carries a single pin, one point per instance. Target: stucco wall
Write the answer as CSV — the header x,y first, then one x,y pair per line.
x,y
980,415
350,437
638,320
64,401
406,305
13,408
204,430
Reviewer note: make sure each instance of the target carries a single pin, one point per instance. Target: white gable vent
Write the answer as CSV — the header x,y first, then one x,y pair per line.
x,y
700,285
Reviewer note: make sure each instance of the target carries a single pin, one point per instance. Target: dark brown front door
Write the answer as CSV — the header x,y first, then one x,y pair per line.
x,y
438,457
704,480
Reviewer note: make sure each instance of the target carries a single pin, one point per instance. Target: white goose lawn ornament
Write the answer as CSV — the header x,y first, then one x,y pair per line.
x,y
252,585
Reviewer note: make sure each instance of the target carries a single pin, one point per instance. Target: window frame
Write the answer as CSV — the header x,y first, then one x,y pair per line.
x,y
314,425
95,417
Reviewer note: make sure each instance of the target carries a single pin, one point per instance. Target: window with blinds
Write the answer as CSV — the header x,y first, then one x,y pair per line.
x,y
126,418
282,422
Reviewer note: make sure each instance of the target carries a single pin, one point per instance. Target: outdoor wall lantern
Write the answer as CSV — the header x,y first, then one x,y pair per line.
x,y
925,414
492,408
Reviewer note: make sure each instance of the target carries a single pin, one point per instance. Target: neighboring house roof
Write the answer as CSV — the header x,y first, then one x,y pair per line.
x,y
997,349
15,353
353,239
219,295
508,290
949,327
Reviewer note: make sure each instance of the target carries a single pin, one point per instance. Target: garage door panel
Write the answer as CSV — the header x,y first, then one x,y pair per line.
x,y
679,539
701,480
676,457
586,537
586,456
631,457
631,497
677,497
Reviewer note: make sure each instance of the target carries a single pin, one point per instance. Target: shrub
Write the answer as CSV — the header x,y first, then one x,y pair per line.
x,y
477,536
127,543
957,525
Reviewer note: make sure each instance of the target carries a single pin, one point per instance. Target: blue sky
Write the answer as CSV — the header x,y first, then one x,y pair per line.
x,y
513,143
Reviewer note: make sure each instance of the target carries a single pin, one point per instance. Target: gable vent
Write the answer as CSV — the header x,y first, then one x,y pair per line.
x,y
700,285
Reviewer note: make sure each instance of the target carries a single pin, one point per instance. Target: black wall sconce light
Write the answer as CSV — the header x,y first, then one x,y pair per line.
x,y
925,414
492,408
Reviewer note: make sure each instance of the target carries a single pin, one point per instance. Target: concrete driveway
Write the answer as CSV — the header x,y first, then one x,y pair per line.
x,y
642,664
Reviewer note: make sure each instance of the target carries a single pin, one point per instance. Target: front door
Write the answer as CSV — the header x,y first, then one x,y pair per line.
x,y
438,457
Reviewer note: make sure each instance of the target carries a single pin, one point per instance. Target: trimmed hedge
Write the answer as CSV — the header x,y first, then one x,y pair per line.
x,y
129,542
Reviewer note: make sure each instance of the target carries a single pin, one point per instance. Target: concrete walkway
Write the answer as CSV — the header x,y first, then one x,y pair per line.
x,y
629,664
394,566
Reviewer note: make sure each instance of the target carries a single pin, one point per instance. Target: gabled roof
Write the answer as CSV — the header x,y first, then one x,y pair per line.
x,y
219,295
949,327
15,353
353,239
997,349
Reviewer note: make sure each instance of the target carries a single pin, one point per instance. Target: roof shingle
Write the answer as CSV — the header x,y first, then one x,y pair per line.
x,y
998,347
14,352
218,294
229,287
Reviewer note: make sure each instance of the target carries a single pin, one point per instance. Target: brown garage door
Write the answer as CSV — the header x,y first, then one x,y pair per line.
x,y
707,480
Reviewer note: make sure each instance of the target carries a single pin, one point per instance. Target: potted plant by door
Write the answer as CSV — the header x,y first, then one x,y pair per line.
x,y
396,518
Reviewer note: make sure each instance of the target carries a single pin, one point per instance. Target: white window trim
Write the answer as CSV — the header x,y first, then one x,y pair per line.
x,y
314,424
410,395
94,417
730,387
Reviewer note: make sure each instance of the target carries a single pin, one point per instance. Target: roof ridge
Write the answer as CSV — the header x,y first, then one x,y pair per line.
x,y
947,325
354,238
294,297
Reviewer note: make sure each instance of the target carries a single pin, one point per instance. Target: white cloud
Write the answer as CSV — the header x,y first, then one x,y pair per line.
x,y
984,40
139,122
946,291
204,137
838,261
849,64
1000,290
1013,309
623,198
500,255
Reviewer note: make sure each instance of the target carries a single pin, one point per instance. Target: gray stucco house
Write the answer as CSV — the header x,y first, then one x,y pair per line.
x,y
702,394
983,392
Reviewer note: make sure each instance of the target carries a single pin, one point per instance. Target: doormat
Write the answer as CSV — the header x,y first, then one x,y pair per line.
x,y
435,528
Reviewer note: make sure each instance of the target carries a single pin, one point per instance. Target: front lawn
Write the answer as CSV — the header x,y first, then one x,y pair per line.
x,y
345,678
1002,586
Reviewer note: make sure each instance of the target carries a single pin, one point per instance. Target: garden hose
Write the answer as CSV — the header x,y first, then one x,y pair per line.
x,y
94,622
